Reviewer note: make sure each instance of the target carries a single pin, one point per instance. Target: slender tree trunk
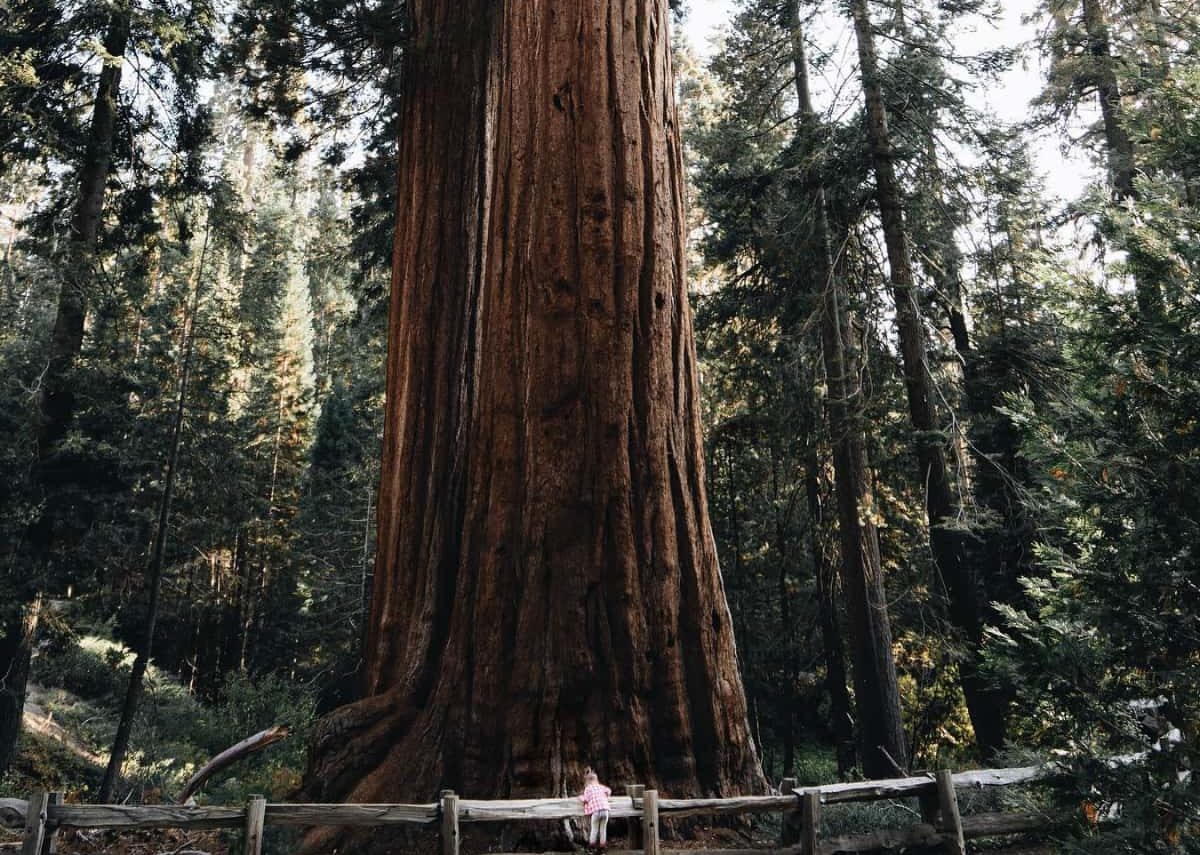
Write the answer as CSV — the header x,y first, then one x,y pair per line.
x,y
366,571
842,721
256,591
882,746
57,401
990,547
877,694
946,534
787,697
787,635
154,572
16,652
1122,155
946,271
546,593
1121,163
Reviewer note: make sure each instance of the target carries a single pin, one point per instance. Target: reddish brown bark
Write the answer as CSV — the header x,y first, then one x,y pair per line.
x,y
546,593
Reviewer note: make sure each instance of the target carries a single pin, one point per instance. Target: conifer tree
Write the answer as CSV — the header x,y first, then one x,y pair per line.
x,y
947,525
63,109
524,329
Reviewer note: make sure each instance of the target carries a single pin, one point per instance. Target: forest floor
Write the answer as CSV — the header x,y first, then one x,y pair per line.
x,y
70,717
38,719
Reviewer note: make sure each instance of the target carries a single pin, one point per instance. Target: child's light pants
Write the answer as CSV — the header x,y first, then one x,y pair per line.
x,y
598,836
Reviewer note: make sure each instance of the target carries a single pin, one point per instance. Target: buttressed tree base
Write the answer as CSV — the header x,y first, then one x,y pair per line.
x,y
546,593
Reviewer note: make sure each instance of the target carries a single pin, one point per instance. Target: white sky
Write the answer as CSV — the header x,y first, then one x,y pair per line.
x,y
1065,174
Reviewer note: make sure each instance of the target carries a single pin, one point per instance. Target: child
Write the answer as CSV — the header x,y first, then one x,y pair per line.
x,y
595,808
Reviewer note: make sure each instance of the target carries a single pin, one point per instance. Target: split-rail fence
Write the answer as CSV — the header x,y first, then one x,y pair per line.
x,y
44,814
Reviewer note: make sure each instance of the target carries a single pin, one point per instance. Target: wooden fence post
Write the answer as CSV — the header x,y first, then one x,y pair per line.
x,y
635,793
810,813
35,824
650,822
951,823
449,823
789,828
256,815
50,847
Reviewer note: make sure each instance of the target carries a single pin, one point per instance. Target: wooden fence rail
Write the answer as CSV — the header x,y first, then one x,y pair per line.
x,y
43,815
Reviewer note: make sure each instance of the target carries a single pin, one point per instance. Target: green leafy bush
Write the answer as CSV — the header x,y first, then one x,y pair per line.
x,y
85,671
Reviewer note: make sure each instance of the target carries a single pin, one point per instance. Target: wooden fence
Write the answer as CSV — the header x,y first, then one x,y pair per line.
x,y
45,814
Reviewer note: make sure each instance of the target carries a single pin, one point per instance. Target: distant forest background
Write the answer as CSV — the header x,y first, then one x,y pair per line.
x,y
196,207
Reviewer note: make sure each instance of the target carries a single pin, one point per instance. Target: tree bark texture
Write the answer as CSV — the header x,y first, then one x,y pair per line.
x,y
882,744
947,535
546,593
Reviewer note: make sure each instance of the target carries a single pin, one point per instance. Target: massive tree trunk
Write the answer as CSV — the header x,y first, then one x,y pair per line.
x,y
947,534
546,593
57,401
882,746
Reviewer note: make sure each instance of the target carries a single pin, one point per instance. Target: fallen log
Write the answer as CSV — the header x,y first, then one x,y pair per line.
x,y
1003,824
231,755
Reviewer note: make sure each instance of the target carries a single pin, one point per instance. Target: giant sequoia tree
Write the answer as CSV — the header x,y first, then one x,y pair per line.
x,y
546,593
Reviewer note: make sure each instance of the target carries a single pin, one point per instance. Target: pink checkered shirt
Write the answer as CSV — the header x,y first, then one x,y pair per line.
x,y
594,798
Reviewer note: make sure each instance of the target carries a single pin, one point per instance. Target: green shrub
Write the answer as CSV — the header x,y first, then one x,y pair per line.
x,y
815,765
85,672
174,733
246,705
45,764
